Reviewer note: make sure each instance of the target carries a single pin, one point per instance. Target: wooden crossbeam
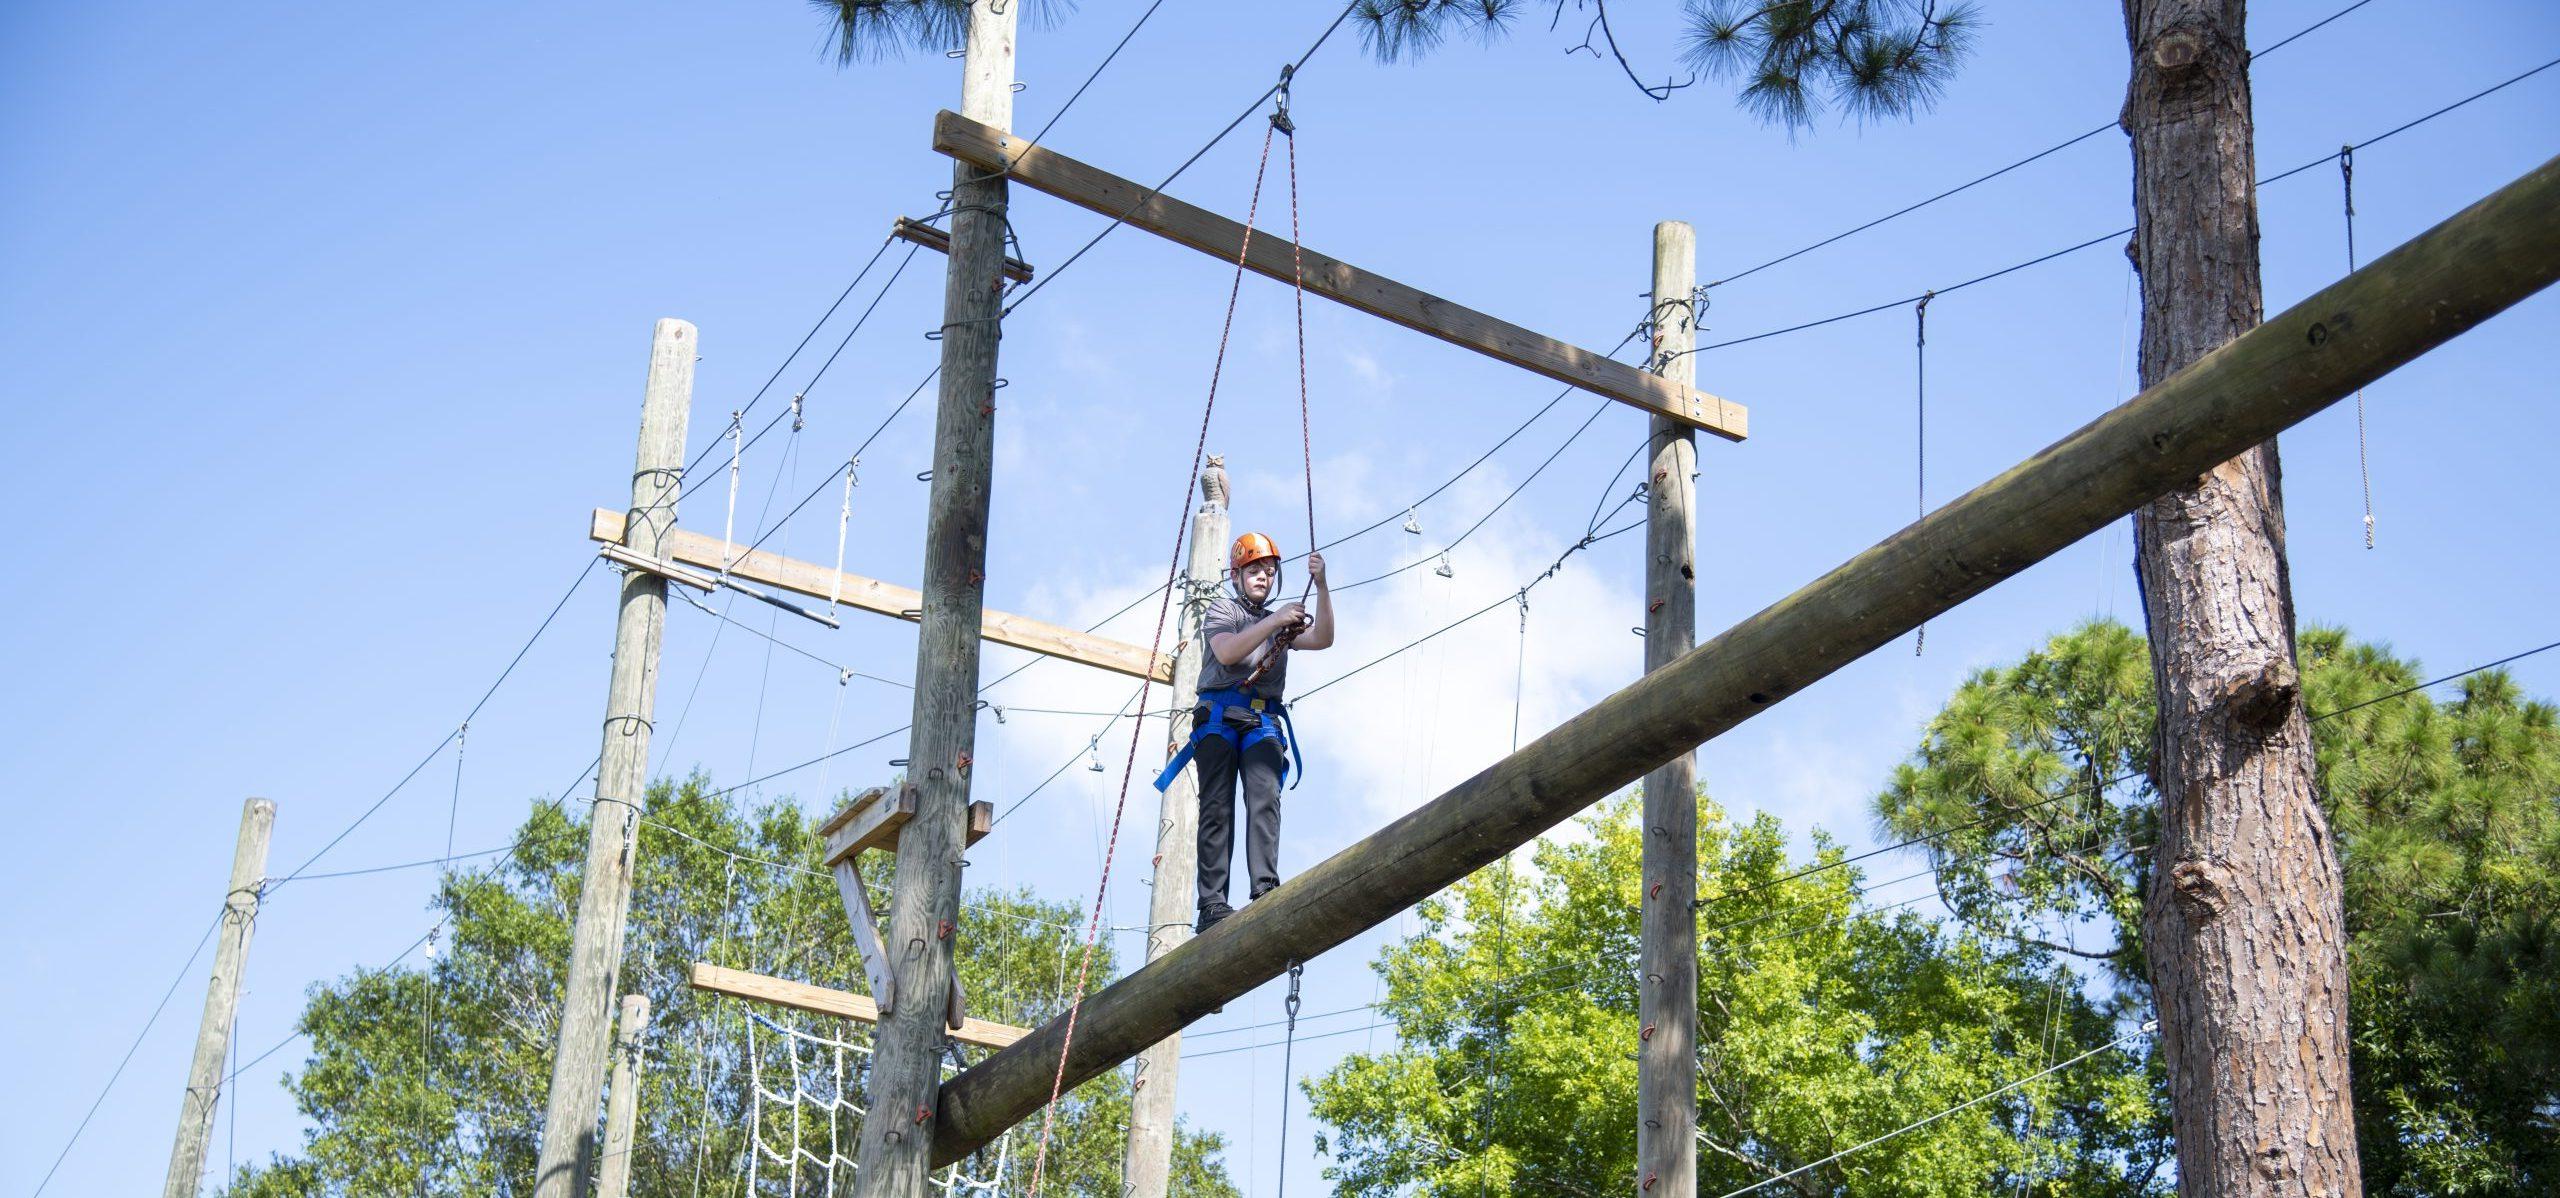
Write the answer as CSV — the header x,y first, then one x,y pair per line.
x,y
819,1000
1042,169
872,819
919,233
2407,302
890,599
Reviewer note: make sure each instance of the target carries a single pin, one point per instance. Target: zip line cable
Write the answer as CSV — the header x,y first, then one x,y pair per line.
x,y
1978,180
1151,193
1052,275
1977,1100
2041,259
184,971
2081,792
449,737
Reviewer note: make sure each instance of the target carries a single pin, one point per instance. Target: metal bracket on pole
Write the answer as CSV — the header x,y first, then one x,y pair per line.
x,y
703,582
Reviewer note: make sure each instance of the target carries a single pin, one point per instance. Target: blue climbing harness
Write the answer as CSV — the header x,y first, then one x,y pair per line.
x,y
1269,721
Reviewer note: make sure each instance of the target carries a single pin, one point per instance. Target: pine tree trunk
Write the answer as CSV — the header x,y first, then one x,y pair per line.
x,y
2243,923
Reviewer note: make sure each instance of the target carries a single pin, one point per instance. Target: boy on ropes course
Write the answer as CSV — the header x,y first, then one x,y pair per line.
x,y
1240,729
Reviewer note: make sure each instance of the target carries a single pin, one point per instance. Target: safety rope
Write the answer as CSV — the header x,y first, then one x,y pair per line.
x,y
1137,733
1920,439
2364,470
1298,290
1288,1049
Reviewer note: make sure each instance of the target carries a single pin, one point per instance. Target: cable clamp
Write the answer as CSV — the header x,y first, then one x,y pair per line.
x,y
1280,113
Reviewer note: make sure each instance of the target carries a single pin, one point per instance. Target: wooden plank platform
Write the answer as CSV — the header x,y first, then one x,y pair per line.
x,y
872,819
1042,169
890,599
819,1000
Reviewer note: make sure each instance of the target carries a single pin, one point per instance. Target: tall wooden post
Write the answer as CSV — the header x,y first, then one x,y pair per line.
x,y
604,899
1667,1004
1147,1168
221,999
924,902
622,1099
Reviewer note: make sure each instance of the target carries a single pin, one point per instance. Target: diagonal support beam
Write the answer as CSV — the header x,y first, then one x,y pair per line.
x,y
1139,206
2471,267
890,599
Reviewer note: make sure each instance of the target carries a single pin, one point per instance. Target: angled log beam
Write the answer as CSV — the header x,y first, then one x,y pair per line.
x,y
1135,204
2471,267
890,599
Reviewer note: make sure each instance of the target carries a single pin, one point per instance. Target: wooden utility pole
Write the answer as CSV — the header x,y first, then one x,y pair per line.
x,y
2244,921
622,776
1146,1170
2462,272
221,998
1667,1002
924,897
622,1100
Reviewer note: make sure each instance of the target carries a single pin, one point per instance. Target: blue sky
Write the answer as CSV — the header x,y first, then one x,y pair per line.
x,y
327,324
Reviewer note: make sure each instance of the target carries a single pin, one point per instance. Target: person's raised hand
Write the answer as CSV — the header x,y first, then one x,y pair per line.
x,y
1315,568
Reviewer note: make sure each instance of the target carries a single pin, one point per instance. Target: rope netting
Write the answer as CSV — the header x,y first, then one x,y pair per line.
x,y
812,1101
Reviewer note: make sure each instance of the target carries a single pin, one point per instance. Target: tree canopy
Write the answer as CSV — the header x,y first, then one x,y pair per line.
x,y
430,1079
2032,785
1822,1024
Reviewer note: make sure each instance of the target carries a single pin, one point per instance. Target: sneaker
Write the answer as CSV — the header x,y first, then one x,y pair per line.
x,y
1259,891
1210,915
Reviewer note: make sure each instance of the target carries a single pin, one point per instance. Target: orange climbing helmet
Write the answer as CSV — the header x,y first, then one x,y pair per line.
x,y
1250,548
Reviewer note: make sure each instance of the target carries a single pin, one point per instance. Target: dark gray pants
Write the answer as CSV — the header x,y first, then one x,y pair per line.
x,y
1218,771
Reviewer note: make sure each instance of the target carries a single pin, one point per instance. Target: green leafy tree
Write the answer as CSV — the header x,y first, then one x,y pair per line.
x,y
1822,1024
2033,784
430,1078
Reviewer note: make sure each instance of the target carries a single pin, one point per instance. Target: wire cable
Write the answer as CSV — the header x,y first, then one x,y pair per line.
x,y
1978,180
183,972
449,737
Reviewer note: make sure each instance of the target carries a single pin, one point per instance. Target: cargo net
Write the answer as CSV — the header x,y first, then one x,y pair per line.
x,y
804,1118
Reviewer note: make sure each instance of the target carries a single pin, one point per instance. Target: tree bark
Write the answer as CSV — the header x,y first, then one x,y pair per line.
x,y
2243,922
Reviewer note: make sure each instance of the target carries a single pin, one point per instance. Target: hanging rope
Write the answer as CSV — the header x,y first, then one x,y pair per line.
x,y
2364,470
1502,923
1288,1049
1920,437
1298,293
1137,733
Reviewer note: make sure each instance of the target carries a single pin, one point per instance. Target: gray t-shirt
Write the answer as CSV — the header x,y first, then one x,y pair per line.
x,y
1228,614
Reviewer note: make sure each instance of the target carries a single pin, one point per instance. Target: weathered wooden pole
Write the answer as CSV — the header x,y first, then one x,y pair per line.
x,y
622,1099
221,999
1146,1169
1667,998
2407,302
924,897
622,777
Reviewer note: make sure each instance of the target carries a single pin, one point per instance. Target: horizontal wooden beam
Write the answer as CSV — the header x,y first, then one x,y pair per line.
x,y
889,599
919,233
818,1000
2407,302
872,819
989,148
